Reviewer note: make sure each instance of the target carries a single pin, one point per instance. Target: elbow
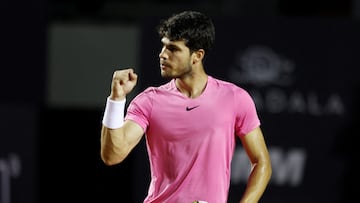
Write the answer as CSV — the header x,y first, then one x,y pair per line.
x,y
110,153
107,161
269,174
111,160
265,168
268,170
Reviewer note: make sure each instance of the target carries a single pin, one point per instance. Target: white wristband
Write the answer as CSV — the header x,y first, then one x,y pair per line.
x,y
114,113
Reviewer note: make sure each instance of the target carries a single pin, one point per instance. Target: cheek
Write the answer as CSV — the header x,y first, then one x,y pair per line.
x,y
194,59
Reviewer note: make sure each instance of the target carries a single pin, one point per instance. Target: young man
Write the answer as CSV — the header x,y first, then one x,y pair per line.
x,y
191,123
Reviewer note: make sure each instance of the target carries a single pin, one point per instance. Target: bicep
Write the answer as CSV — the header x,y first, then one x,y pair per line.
x,y
133,132
255,146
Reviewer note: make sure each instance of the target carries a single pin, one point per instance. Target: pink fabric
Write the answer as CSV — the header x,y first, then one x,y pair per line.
x,y
190,151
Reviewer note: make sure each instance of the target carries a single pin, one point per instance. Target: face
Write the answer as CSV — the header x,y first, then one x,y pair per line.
x,y
175,59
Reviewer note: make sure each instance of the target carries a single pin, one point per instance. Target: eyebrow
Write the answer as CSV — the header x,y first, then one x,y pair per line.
x,y
170,44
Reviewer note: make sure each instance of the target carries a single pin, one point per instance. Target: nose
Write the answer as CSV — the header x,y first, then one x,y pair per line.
x,y
162,53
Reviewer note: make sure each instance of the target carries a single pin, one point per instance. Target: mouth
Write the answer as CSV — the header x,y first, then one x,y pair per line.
x,y
164,65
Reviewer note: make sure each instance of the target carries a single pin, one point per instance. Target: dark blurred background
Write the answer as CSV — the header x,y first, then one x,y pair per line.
x,y
298,59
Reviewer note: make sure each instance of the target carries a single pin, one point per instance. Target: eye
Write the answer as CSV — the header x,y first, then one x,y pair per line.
x,y
172,48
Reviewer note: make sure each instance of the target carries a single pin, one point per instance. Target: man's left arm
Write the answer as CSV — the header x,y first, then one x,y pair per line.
x,y
261,169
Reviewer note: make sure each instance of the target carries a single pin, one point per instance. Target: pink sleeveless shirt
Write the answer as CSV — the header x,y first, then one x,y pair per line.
x,y
190,142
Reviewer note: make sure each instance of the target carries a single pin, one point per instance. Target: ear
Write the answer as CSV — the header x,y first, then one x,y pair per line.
x,y
198,56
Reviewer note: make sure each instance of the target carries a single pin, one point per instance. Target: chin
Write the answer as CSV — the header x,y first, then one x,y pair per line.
x,y
164,74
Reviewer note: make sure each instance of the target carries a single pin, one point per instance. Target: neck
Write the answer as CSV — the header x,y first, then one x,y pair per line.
x,y
193,85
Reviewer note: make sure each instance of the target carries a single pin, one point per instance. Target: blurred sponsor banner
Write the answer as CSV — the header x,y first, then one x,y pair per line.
x,y
302,76
84,56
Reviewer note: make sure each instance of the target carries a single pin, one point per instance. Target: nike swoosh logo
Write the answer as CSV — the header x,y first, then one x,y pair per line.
x,y
191,108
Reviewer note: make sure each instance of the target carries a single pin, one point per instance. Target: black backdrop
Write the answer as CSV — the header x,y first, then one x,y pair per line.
x,y
307,102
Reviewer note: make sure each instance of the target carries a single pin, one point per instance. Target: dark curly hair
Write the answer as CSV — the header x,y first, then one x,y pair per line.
x,y
195,28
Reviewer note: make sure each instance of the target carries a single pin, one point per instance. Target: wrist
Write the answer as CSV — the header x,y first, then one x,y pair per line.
x,y
115,96
114,113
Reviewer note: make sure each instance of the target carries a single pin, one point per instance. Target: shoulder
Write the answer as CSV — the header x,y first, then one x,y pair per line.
x,y
227,85
231,91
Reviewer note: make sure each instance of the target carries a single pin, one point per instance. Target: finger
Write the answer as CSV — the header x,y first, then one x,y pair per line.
x,y
120,76
115,74
132,76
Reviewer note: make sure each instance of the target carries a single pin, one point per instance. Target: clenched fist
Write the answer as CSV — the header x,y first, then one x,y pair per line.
x,y
123,82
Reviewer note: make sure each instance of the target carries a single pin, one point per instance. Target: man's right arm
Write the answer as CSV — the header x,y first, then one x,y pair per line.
x,y
119,137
